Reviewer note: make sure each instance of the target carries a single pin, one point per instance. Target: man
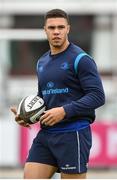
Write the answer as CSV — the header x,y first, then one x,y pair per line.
x,y
70,85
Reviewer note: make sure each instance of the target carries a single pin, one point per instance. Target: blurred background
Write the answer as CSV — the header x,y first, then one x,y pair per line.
x,y
22,42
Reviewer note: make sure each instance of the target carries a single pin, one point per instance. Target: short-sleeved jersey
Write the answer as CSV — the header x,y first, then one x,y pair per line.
x,y
74,83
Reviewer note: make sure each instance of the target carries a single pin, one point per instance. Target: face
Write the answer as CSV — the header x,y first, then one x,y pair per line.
x,y
57,30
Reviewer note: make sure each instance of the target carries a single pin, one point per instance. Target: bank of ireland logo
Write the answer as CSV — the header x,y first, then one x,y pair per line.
x,y
50,84
51,89
64,66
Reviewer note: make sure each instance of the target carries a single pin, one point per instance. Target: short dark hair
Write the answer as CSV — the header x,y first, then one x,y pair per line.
x,y
56,13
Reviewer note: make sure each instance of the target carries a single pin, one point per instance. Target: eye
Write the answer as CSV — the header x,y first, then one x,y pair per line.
x,y
54,27
51,27
61,27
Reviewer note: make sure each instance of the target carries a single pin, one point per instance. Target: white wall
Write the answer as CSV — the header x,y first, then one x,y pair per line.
x,y
9,141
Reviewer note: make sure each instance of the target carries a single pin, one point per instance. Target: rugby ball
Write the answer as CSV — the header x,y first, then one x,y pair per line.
x,y
31,108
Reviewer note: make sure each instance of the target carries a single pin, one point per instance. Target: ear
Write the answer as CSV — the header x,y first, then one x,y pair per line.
x,y
68,29
44,28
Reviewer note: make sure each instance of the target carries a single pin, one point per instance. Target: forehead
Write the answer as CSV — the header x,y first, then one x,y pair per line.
x,y
56,21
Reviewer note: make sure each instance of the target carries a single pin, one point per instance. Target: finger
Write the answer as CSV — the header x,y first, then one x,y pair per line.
x,y
46,120
50,122
18,118
13,109
22,123
26,125
44,116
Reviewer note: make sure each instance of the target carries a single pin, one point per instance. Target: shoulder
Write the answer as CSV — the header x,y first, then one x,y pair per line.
x,y
86,59
81,58
43,58
75,49
86,64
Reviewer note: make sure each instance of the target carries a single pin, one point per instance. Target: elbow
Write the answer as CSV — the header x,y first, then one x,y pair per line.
x,y
102,99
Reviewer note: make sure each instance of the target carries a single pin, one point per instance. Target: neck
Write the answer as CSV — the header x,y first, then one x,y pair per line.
x,y
56,50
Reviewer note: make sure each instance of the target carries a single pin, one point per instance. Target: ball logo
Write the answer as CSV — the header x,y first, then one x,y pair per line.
x,y
33,101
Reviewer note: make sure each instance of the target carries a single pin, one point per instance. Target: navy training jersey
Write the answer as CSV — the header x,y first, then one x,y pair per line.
x,y
72,81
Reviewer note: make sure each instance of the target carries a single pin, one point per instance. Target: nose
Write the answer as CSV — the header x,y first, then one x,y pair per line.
x,y
56,31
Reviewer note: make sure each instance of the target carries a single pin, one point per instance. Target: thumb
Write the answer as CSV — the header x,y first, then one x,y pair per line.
x,y
13,109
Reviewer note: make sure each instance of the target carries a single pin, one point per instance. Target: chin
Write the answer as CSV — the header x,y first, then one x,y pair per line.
x,y
57,44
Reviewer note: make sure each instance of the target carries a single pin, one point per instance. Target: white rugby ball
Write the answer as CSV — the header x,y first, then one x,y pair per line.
x,y
31,108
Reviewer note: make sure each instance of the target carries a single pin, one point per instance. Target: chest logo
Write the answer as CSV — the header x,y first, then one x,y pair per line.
x,y
64,66
40,68
50,84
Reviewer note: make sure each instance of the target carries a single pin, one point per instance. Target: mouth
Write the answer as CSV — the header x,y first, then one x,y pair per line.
x,y
56,38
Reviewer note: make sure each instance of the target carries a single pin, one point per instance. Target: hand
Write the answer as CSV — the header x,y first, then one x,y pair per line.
x,y
52,116
18,119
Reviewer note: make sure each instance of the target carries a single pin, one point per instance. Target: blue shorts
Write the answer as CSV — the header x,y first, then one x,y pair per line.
x,y
68,151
